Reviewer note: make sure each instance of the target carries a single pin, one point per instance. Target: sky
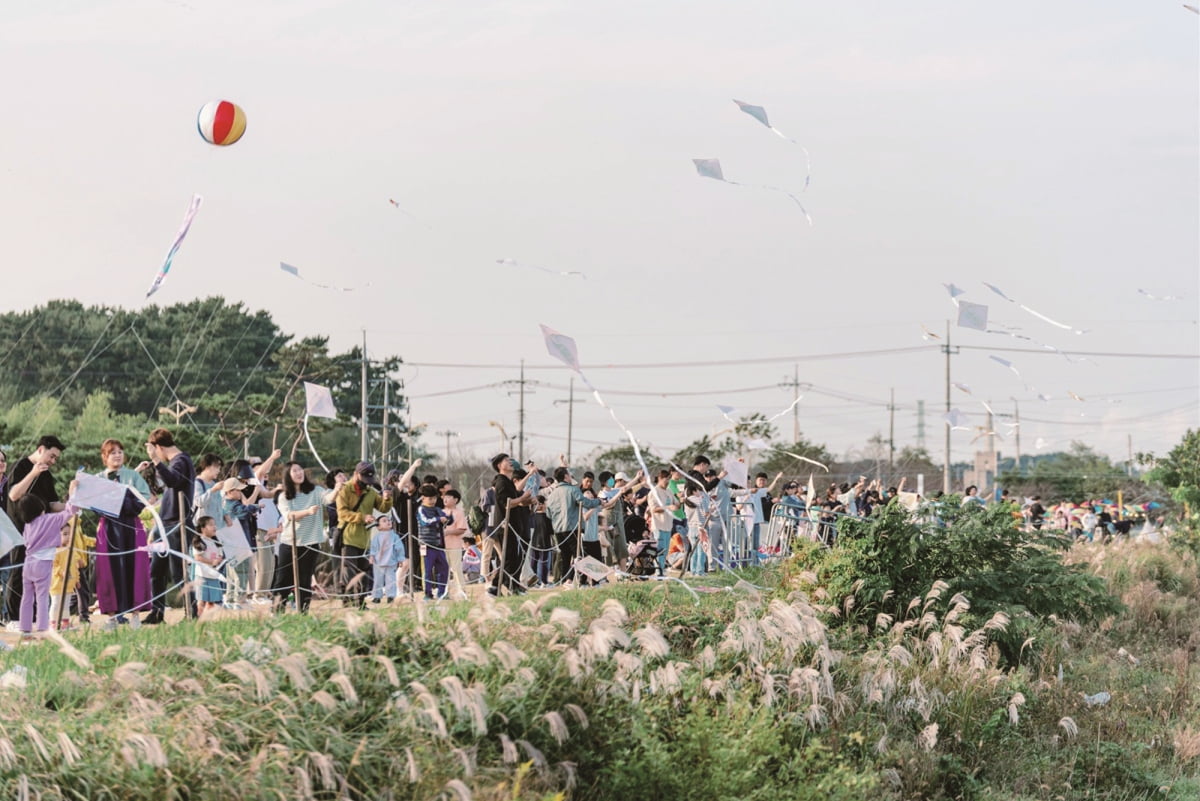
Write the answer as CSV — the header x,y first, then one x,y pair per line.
x,y
1048,149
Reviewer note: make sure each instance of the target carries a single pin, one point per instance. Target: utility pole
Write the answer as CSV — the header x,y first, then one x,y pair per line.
x,y
1017,434
794,385
946,467
892,435
1129,464
520,411
521,419
570,401
921,424
991,441
177,410
447,434
363,391
383,456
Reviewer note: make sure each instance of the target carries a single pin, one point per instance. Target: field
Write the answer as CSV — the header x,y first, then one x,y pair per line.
x,y
761,686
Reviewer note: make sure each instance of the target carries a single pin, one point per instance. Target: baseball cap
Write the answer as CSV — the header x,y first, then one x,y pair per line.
x,y
365,469
620,477
232,484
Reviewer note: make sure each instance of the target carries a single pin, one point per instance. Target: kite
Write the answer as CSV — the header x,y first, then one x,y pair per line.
x,y
955,419
972,315
962,387
1043,397
290,270
983,432
563,348
1074,396
711,168
1156,297
183,230
1036,314
409,214
803,459
221,122
1192,9
1040,443
989,408
954,292
759,113
1007,364
757,444
927,335
515,263
318,402
790,406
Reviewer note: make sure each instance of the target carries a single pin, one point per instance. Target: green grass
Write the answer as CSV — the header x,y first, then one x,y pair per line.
x,y
636,690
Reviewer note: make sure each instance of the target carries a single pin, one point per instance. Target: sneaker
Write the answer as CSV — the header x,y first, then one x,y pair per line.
x,y
377,600
135,622
153,619
13,626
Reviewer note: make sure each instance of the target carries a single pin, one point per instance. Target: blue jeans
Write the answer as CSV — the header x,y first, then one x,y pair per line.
x,y
699,562
664,542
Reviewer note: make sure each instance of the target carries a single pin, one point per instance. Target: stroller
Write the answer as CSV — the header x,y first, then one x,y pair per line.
x,y
643,551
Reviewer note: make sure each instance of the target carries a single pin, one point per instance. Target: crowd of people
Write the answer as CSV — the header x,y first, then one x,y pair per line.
x,y
253,532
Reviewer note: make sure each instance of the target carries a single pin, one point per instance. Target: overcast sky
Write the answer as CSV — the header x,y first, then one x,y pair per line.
x,y
1047,148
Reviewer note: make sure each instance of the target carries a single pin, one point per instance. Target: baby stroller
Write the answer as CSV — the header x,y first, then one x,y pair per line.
x,y
643,551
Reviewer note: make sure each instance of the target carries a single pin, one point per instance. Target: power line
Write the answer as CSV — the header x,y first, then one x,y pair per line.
x,y
1084,353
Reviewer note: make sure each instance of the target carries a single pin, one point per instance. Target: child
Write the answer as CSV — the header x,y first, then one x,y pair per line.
x,y
206,550
471,560
80,546
385,553
431,525
676,551
451,500
45,532
542,545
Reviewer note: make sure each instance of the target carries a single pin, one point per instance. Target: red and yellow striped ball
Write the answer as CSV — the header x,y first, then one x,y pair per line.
x,y
221,122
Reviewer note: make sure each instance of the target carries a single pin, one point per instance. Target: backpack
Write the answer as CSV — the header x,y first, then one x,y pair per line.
x,y
476,519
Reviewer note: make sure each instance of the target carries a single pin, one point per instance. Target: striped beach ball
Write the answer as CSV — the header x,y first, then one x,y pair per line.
x,y
221,122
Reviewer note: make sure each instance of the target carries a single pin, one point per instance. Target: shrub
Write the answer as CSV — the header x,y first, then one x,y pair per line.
x,y
886,560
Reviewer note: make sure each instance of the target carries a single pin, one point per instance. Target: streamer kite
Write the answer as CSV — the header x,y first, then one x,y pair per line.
x,y
293,271
183,231
711,168
1007,364
759,113
318,402
1036,314
565,273
962,387
563,348
956,420
221,122
1147,295
803,459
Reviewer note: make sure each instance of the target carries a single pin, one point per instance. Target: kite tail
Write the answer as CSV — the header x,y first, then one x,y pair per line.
x,y
1047,319
805,459
791,406
637,451
308,439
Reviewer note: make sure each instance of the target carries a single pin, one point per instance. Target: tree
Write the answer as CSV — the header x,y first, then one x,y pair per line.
x,y
1179,471
1078,474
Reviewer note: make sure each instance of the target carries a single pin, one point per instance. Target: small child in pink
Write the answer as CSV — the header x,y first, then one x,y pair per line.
x,y
44,534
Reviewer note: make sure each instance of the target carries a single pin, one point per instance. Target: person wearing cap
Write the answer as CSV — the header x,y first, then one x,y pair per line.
x,y
508,497
357,502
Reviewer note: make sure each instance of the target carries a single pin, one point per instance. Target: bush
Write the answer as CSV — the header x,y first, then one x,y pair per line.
x,y
886,560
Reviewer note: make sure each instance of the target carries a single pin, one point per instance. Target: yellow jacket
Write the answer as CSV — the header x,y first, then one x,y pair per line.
x,y
353,508
79,560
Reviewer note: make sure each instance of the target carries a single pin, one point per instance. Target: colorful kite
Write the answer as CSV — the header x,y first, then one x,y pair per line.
x,y
711,168
183,230
221,122
759,113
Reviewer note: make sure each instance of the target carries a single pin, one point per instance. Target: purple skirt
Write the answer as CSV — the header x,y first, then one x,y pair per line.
x,y
132,569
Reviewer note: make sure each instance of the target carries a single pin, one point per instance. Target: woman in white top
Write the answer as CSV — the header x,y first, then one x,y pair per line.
x,y
302,515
